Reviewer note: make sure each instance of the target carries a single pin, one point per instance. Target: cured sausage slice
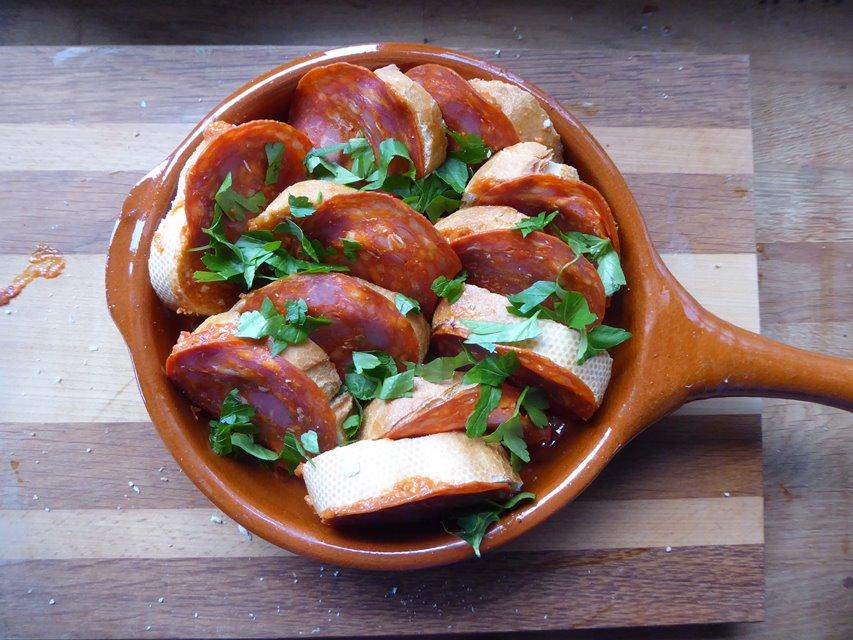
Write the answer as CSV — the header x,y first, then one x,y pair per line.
x,y
580,206
464,109
241,152
363,316
499,258
208,364
437,407
398,248
337,102
547,361
373,481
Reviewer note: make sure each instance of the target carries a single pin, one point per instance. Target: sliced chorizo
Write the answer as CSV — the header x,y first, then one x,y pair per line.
x,y
284,390
338,102
398,248
579,206
364,316
504,262
436,407
464,110
242,152
499,258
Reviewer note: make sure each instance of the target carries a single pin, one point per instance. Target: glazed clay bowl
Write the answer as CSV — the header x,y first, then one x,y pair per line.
x,y
679,352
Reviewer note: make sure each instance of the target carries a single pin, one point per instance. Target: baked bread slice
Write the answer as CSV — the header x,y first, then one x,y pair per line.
x,y
522,159
523,110
548,361
427,114
408,479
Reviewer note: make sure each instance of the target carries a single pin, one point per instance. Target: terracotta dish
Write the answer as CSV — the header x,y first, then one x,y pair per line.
x,y
679,351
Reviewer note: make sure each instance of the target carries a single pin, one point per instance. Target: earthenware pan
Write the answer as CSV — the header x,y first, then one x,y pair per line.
x,y
680,352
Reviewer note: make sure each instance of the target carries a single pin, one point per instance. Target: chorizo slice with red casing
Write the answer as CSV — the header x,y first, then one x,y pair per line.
x,y
363,316
504,262
579,206
339,101
436,407
499,258
241,151
463,109
398,248
285,390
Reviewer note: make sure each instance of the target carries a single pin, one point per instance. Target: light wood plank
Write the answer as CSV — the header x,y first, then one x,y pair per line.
x,y
685,213
140,146
65,534
60,344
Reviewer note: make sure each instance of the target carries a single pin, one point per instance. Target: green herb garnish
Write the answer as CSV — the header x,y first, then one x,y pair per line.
x,y
374,374
300,206
275,151
234,205
473,526
450,290
489,334
529,224
405,304
351,248
293,327
235,428
602,254
440,369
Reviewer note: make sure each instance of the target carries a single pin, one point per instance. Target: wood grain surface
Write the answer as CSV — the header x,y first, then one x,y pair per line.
x,y
686,213
673,533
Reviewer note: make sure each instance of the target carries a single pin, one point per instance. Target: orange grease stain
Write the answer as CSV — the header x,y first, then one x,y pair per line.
x,y
45,262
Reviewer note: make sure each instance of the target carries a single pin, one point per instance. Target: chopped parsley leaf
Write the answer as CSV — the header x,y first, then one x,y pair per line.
x,y
293,327
234,205
405,304
450,290
473,526
274,151
530,224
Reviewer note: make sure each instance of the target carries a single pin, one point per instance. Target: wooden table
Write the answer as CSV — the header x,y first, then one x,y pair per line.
x,y
82,128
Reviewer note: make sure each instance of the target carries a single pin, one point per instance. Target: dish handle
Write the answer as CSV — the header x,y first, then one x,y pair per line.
x,y
730,361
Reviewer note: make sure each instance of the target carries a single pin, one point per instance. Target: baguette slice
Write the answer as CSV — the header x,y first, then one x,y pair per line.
x,y
547,361
523,110
522,159
472,220
427,114
410,479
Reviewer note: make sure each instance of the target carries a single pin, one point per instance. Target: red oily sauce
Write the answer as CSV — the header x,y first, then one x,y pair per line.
x,y
45,262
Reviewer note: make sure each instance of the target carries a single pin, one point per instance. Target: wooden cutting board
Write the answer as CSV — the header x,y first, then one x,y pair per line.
x,y
101,534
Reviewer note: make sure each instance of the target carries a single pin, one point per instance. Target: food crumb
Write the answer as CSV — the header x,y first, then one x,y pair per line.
x,y
47,508
93,347
246,533
216,519
143,104
164,479
497,52
57,379
136,489
252,616
51,601
195,615
392,591
35,496
88,449
161,599
668,549
727,494
148,628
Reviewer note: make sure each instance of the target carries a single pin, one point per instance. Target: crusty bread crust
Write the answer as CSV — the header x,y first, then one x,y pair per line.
x,y
470,220
315,190
426,111
557,343
523,110
522,159
371,476
169,265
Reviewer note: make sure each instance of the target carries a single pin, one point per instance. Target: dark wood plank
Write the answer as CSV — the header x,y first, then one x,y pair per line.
x,y
181,84
685,212
680,457
288,597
